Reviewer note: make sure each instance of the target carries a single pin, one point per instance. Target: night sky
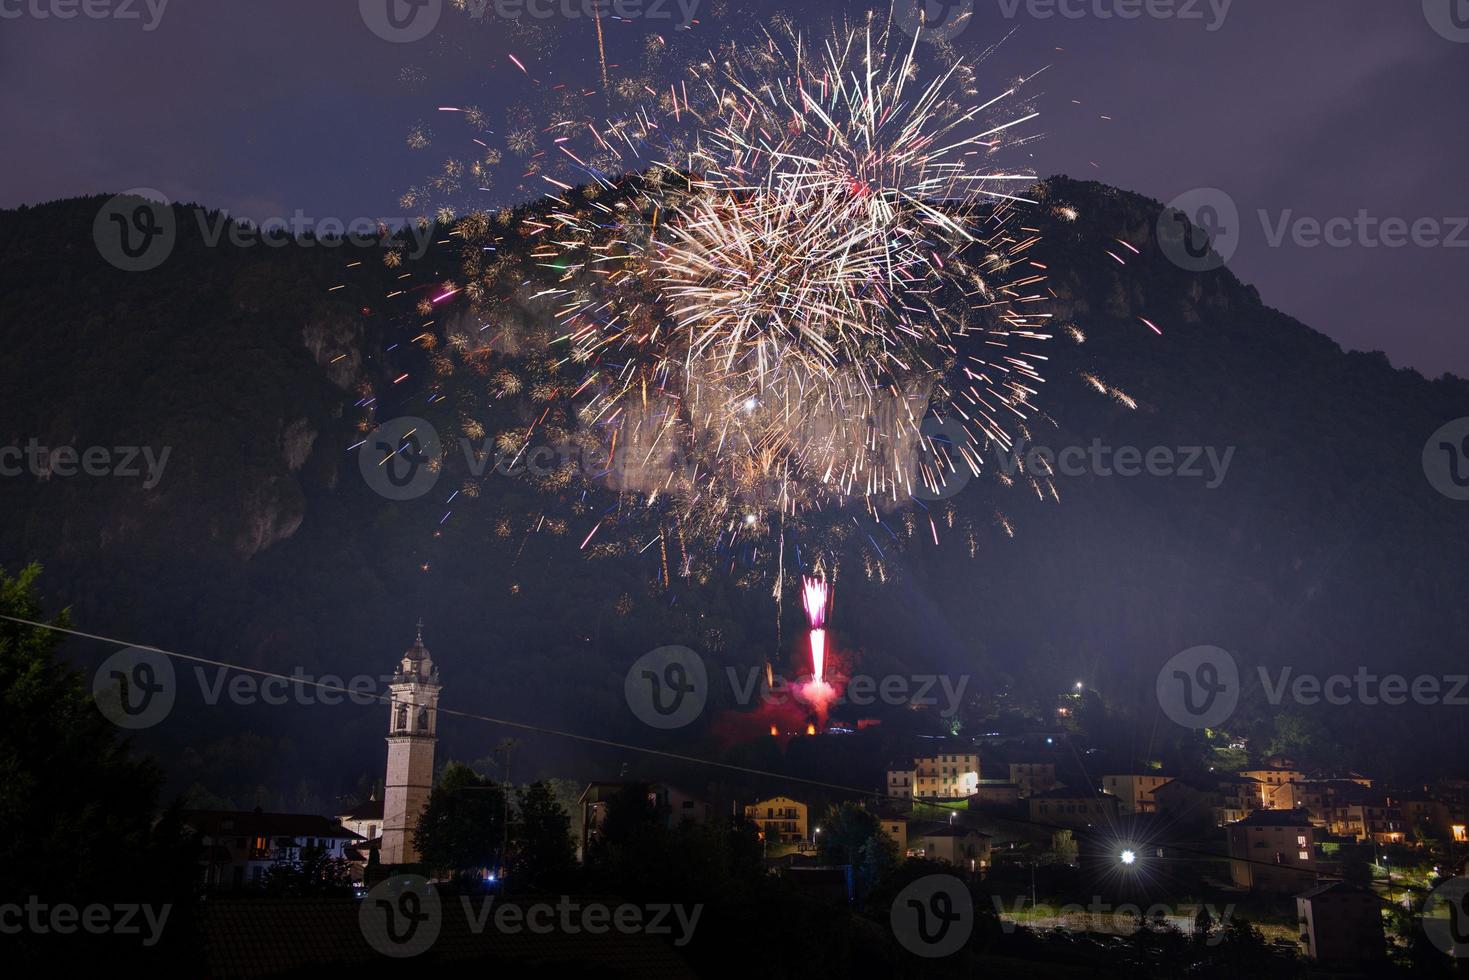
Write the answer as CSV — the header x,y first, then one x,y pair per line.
x,y
1304,108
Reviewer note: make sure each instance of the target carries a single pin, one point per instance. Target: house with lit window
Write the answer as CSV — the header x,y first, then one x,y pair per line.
x,y
238,847
1206,801
1273,851
896,827
780,820
1274,778
1239,795
1376,818
946,776
1318,796
960,846
1426,816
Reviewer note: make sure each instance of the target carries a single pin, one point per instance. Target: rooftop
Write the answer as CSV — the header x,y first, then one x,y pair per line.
x,y
1338,887
257,823
370,809
1067,793
1275,818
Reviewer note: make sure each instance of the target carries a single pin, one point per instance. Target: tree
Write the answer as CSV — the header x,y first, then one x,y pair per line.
x,y
1243,951
542,856
626,850
1063,849
630,811
1357,871
77,809
1203,924
854,836
463,825
317,873
1302,737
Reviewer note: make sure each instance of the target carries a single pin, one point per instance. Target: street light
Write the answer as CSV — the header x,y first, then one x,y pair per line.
x,y
1129,857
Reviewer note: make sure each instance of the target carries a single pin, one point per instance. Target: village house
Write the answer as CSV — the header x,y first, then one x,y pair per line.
x,y
365,819
239,847
780,819
1134,791
673,806
1077,808
1273,778
896,827
1033,777
956,845
1341,924
1376,818
994,794
946,776
1273,851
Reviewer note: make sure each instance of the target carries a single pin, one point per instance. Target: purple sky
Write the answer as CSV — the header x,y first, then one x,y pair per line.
x,y
1302,108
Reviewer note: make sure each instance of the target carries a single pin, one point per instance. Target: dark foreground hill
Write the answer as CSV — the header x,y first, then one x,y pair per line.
x,y
1321,546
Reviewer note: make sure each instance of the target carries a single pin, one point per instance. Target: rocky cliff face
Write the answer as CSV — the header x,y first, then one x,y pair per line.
x,y
1320,545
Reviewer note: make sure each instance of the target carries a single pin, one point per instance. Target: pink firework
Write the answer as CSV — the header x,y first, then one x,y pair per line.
x,y
815,595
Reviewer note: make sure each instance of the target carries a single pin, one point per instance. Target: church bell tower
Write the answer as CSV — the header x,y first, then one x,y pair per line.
x,y
412,730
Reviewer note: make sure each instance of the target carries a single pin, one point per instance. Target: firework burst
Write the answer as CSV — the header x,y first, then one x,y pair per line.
x,y
801,289
788,274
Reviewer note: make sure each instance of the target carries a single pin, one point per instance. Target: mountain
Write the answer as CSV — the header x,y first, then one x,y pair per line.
x,y
1321,546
